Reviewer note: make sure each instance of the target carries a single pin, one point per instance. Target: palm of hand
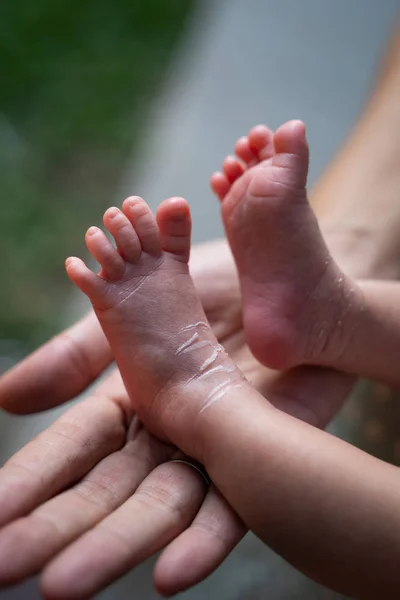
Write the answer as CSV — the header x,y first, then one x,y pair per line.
x,y
97,466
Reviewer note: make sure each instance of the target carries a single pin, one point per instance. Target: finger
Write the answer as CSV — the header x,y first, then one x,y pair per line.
x,y
27,544
57,371
59,456
162,507
199,550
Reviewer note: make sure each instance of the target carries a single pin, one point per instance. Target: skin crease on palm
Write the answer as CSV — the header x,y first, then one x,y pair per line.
x,y
99,439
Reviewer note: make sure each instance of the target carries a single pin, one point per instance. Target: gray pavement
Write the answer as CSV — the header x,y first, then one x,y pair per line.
x,y
243,62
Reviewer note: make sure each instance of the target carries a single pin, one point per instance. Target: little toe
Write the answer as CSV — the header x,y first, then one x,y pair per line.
x,y
220,184
144,223
261,142
233,168
112,264
244,152
125,236
174,222
291,150
88,282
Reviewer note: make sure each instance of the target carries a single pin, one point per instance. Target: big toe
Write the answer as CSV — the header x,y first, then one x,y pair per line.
x,y
291,151
174,222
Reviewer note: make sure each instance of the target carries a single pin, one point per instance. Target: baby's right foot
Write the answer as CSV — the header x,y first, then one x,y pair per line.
x,y
296,301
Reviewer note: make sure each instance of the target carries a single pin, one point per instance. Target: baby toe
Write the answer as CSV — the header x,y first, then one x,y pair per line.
x,y
220,184
112,264
261,142
144,223
291,152
233,168
244,152
125,236
87,281
174,222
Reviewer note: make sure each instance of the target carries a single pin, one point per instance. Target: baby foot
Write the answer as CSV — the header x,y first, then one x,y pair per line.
x,y
295,298
145,300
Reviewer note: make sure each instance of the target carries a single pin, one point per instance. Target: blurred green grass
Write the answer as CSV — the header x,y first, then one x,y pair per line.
x,y
76,79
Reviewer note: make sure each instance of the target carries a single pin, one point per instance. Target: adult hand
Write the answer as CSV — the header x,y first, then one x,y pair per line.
x,y
96,478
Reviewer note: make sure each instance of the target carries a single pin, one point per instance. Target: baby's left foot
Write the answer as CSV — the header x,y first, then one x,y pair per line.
x,y
295,298
147,305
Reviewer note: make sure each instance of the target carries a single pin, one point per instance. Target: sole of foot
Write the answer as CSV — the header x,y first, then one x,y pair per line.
x,y
294,295
170,361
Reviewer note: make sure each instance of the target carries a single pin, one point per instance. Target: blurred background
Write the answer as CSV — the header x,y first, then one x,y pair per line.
x,y
77,82
100,99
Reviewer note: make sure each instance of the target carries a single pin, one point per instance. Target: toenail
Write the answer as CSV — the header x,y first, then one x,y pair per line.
x,y
130,204
112,212
132,200
179,217
131,207
92,231
175,200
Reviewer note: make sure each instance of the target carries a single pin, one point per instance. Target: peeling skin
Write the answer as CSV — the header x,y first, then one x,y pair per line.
x,y
196,345
195,325
187,344
209,361
219,392
208,368
215,394
219,369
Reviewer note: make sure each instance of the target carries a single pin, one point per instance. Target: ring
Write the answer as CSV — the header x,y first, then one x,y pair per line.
x,y
196,465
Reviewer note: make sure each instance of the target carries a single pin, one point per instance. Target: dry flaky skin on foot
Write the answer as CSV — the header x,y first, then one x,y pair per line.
x,y
298,307
145,300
